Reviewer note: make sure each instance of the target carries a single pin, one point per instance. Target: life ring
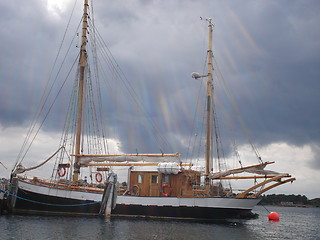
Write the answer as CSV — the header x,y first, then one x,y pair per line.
x,y
164,186
61,171
99,177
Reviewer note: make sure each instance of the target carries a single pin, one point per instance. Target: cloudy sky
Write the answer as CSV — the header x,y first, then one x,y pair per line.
x,y
267,51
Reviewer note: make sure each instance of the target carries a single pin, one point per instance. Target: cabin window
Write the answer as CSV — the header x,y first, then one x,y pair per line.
x,y
154,179
165,178
140,178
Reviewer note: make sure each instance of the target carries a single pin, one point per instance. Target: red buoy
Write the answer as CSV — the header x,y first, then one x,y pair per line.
x,y
274,216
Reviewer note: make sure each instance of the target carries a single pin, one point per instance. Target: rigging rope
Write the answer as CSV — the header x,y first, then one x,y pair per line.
x,y
46,115
97,77
115,68
21,169
68,129
237,111
43,101
195,131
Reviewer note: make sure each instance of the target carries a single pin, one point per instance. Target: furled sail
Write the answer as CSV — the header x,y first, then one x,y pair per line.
x,y
85,159
257,169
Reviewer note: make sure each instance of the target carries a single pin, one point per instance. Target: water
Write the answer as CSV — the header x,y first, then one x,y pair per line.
x,y
295,223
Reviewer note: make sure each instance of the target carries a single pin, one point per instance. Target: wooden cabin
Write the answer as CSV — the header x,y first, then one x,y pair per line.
x,y
154,184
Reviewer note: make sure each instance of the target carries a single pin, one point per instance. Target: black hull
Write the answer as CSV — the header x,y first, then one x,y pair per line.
x,y
181,213
53,205
27,201
2,206
121,210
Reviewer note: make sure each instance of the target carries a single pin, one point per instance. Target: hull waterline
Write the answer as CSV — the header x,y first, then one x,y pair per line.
x,y
35,199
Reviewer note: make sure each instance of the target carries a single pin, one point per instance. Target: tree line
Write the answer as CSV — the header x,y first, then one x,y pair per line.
x,y
282,199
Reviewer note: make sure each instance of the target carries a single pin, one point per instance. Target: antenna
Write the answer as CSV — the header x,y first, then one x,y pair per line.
x,y
209,20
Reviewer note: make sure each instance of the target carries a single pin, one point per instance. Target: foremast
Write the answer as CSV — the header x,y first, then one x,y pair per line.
x,y
81,87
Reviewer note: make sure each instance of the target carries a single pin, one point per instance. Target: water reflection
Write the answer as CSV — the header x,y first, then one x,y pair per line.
x,y
295,223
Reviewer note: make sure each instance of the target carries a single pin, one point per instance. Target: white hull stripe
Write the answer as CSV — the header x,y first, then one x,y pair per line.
x,y
229,203
60,192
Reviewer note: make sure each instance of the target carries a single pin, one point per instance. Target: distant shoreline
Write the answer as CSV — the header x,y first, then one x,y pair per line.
x,y
293,205
289,201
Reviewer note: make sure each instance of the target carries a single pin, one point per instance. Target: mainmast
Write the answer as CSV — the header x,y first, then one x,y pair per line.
x,y
196,75
81,87
208,159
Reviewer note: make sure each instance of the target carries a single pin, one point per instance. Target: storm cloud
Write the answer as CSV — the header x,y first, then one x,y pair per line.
x,y
268,52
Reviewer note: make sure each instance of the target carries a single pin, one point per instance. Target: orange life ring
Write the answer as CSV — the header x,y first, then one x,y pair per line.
x,y
61,171
99,177
166,194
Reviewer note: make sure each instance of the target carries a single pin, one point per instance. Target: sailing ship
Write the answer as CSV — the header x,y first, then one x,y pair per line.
x,y
157,186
